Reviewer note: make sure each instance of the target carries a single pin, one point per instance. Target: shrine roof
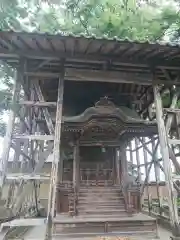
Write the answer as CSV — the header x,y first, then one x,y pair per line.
x,y
92,49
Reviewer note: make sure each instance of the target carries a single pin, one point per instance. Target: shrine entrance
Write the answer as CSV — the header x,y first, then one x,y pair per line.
x,y
97,166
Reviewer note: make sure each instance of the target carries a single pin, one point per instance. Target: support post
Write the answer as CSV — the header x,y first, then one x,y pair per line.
x,y
147,175
56,159
173,213
157,175
131,157
118,166
76,166
138,160
10,125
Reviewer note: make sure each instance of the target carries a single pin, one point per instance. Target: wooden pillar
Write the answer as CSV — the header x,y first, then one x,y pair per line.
x,y
76,170
124,165
56,159
157,174
147,174
138,160
173,214
118,166
10,125
131,157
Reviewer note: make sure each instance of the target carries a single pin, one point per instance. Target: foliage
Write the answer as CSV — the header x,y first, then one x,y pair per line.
x,y
137,20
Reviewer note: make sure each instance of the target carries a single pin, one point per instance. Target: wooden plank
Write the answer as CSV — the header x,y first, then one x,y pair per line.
x,y
146,172
172,110
43,157
174,141
44,110
157,174
10,125
171,116
34,137
56,158
76,165
138,160
117,159
37,104
174,220
31,176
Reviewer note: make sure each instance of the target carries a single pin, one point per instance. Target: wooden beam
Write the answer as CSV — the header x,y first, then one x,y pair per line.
x,y
10,125
157,174
138,160
44,110
146,171
96,75
76,165
174,141
34,137
73,74
30,176
46,54
56,157
174,220
37,104
42,158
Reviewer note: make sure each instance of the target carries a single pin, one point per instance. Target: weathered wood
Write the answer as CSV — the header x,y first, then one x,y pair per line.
x,y
171,116
174,141
43,157
146,171
166,161
24,176
138,160
96,75
56,158
10,125
44,110
172,110
37,104
144,144
157,174
76,170
117,159
34,137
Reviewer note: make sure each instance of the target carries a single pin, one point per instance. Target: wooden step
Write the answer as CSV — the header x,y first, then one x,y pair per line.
x,y
102,211
101,203
107,197
114,227
101,190
100,206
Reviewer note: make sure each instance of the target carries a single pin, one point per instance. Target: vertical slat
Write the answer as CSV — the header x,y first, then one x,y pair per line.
x,y
138,160
56,158
131,156
157,173
76,165
173,214
10,125
147,174
118,165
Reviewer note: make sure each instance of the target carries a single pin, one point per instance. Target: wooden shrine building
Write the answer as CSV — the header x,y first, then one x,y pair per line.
x,y
78,105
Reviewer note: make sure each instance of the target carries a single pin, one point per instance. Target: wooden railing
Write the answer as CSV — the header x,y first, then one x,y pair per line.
x,y
73,199
131,195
